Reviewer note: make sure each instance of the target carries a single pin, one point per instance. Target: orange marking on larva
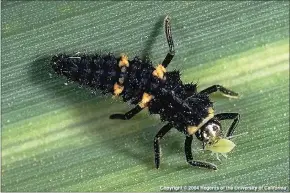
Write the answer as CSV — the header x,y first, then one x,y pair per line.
x,y
118,89
192,129
159,71
124,61
145,100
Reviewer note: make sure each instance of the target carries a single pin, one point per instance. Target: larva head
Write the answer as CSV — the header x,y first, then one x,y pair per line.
x,y
209,132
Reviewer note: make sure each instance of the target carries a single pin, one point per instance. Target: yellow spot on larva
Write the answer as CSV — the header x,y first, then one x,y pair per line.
x,y
124,61
118,89
210,110
145,100
159,71
192,129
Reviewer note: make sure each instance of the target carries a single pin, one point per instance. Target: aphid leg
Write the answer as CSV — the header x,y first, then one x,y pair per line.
x,y
127,115
226,92
234,116
203,145
230,137
189,158
157,138
225,155
217,156
168,34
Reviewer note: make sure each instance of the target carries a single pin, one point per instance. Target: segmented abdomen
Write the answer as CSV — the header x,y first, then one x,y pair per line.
x,y
103,72
174,101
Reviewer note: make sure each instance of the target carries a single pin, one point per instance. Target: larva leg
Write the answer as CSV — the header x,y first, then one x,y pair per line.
x,y
234,116
226,92
143,103
157,138
127,115
189,158
168,34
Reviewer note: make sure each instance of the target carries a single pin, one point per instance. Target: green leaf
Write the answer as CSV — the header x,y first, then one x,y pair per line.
x,y
58,137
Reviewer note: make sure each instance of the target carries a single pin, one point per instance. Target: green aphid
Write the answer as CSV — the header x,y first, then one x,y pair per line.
x,y
221,146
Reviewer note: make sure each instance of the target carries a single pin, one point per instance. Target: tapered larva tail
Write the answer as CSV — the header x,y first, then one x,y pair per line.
x,y
95,71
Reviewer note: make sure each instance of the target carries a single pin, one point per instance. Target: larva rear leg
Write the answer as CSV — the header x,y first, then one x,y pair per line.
x,y
160,69
144,103
127,115
226,92
168,34
157,138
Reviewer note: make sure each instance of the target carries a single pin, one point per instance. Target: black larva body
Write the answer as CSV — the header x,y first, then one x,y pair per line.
x,y
170,98
145,85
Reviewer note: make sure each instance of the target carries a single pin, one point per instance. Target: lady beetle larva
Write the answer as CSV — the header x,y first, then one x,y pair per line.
x,y
139,82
